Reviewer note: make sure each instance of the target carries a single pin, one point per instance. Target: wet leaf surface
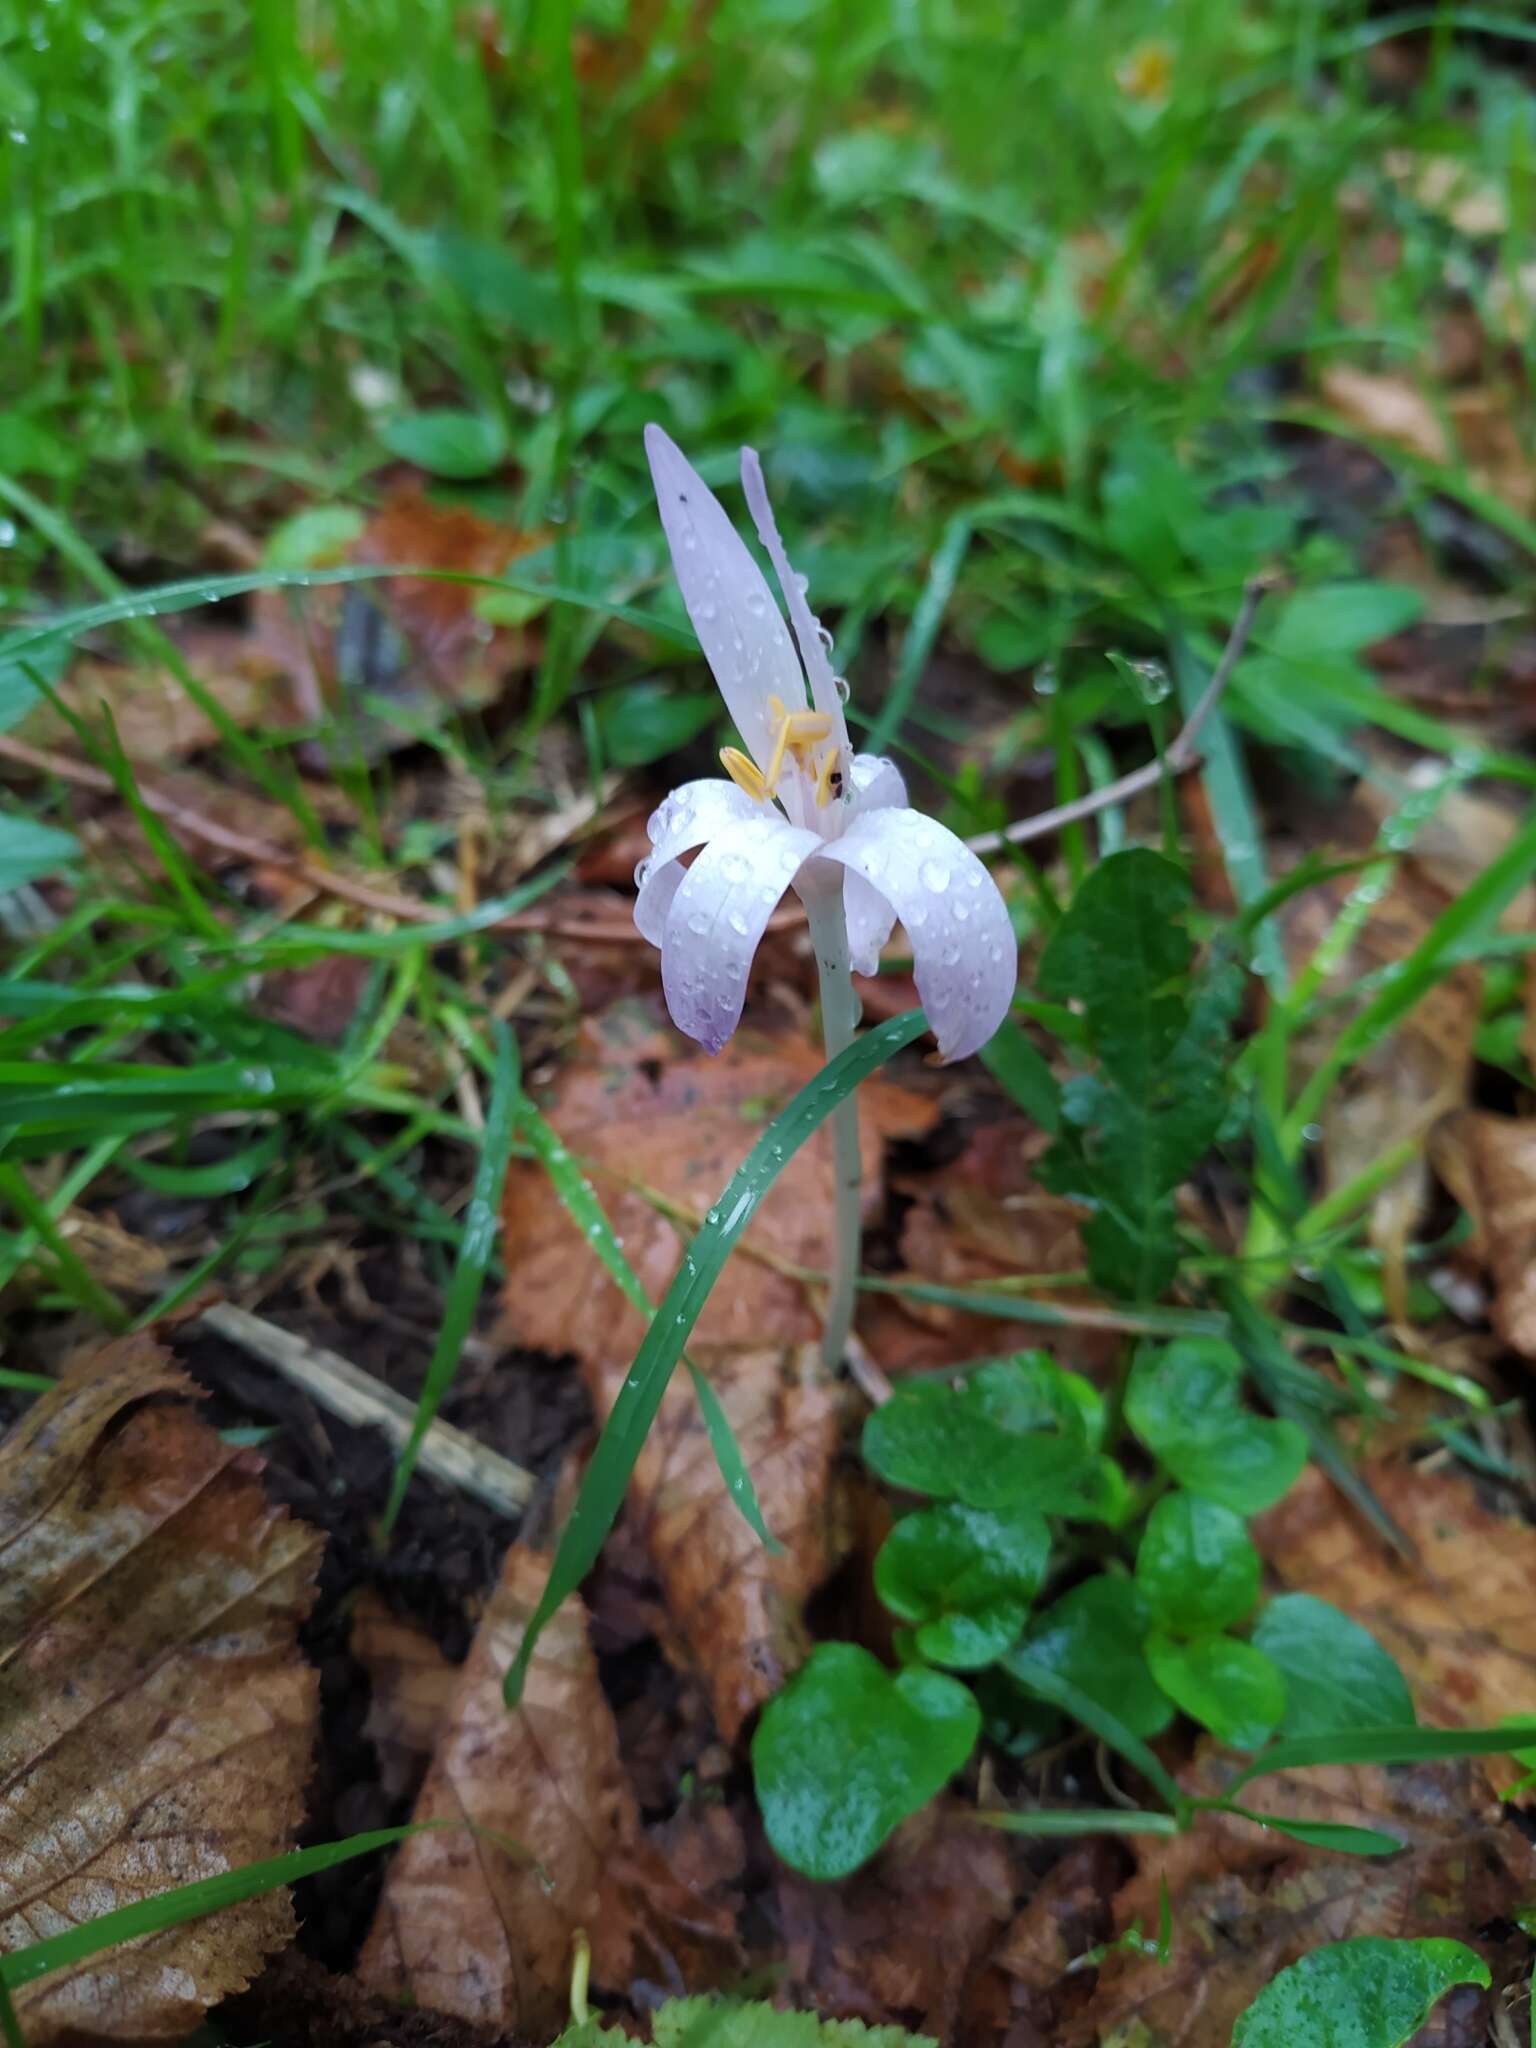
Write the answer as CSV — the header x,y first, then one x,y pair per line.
x,y
156,1721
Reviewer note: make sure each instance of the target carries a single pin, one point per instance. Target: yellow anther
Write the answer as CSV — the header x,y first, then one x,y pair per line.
x,y
744,773
829,778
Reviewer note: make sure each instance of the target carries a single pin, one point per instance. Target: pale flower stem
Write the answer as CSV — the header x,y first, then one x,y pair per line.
x,y
839,1018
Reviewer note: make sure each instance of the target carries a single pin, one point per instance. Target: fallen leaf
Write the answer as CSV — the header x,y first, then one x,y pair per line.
x,y
1451,188
1489,1163
736,1605
156,719
1388,407
1461,1622
651,1119
1247,1902
411,1683
1065,1916
156,1721
537,1835
906,1935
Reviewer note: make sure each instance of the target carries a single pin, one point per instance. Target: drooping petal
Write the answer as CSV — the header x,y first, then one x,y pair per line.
x,y
694,812
717,917
877,783
964,953
811,637
739,626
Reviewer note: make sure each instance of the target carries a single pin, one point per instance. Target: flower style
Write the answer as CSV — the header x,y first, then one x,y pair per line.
x,y
800,808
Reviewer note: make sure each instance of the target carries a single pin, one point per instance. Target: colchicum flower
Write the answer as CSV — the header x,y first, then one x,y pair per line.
x,y
800,808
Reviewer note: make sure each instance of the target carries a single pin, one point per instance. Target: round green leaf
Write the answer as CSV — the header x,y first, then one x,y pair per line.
x,y
966,1576
1017,1432
848,1749
461,445
1227,1686
1184,1401
1336,1673
1196,1566
1372,1993
1092,1636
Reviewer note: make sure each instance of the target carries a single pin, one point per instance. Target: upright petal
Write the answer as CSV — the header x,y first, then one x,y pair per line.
x,y
694,812
717,917
811,636
739,626
963,949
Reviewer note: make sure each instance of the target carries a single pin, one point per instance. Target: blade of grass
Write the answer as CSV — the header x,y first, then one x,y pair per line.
x,y
581,1203
624,1431
1404,1745
1049,1685
927,617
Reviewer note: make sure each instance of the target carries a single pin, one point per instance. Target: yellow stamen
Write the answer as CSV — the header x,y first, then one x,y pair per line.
x,y
744,773
780,742
824,777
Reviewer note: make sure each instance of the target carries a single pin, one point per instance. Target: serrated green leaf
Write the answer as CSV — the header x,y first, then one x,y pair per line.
x,y
1226,1685
1092,1637
1184,1402
848,1749
1122,952
1336,1673
1196,1567
735,2023
1371,1993
965,1577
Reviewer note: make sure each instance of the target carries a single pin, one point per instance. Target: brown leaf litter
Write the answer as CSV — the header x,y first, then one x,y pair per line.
x,y
537,1834
156,1722
1489,1164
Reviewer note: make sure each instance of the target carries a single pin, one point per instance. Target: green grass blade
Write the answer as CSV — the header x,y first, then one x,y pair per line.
x,y
1057,1691
927,617
624,1431
189,1902
1085,1820
475,1248
1405,1745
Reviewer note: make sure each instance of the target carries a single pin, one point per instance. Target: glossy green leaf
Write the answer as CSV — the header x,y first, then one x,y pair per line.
x,y
1371,1993
1196,1566
601,1494
1058,1690
1092,1636
1336,1673
644,722
1184,1401
965,1577
1226,1685
848,1749
458,445
1016,1433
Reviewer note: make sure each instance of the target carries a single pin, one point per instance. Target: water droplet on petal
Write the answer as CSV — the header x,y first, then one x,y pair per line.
x,y
915,918
962,912
738,923
840,684
698,924
824,637
935,876
642,869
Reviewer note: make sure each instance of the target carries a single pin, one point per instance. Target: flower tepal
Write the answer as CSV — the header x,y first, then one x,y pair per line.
x,y
800,809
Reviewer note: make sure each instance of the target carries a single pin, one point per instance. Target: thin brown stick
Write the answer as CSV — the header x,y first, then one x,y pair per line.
x,y
1179,756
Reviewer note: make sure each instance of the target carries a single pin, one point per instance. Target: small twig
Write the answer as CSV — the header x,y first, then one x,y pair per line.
x,y
1179,756
358,1398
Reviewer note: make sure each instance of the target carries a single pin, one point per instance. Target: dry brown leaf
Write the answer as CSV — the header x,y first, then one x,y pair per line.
x,y
1451,188
906,1935
1247,1902
736,1606
1461,1622
1489,1163
477,1915
1067,1914
645,1113
1477,432
411,1683
156,720
155,1719
541,1836
1389,407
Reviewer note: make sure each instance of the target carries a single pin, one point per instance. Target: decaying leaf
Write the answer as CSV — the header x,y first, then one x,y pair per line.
x,y
412,1683
538,1834
1246,1903
1461,1622
155,1719
1489,1162
736,1605
907,1933
647,1116
1389,407
154,717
